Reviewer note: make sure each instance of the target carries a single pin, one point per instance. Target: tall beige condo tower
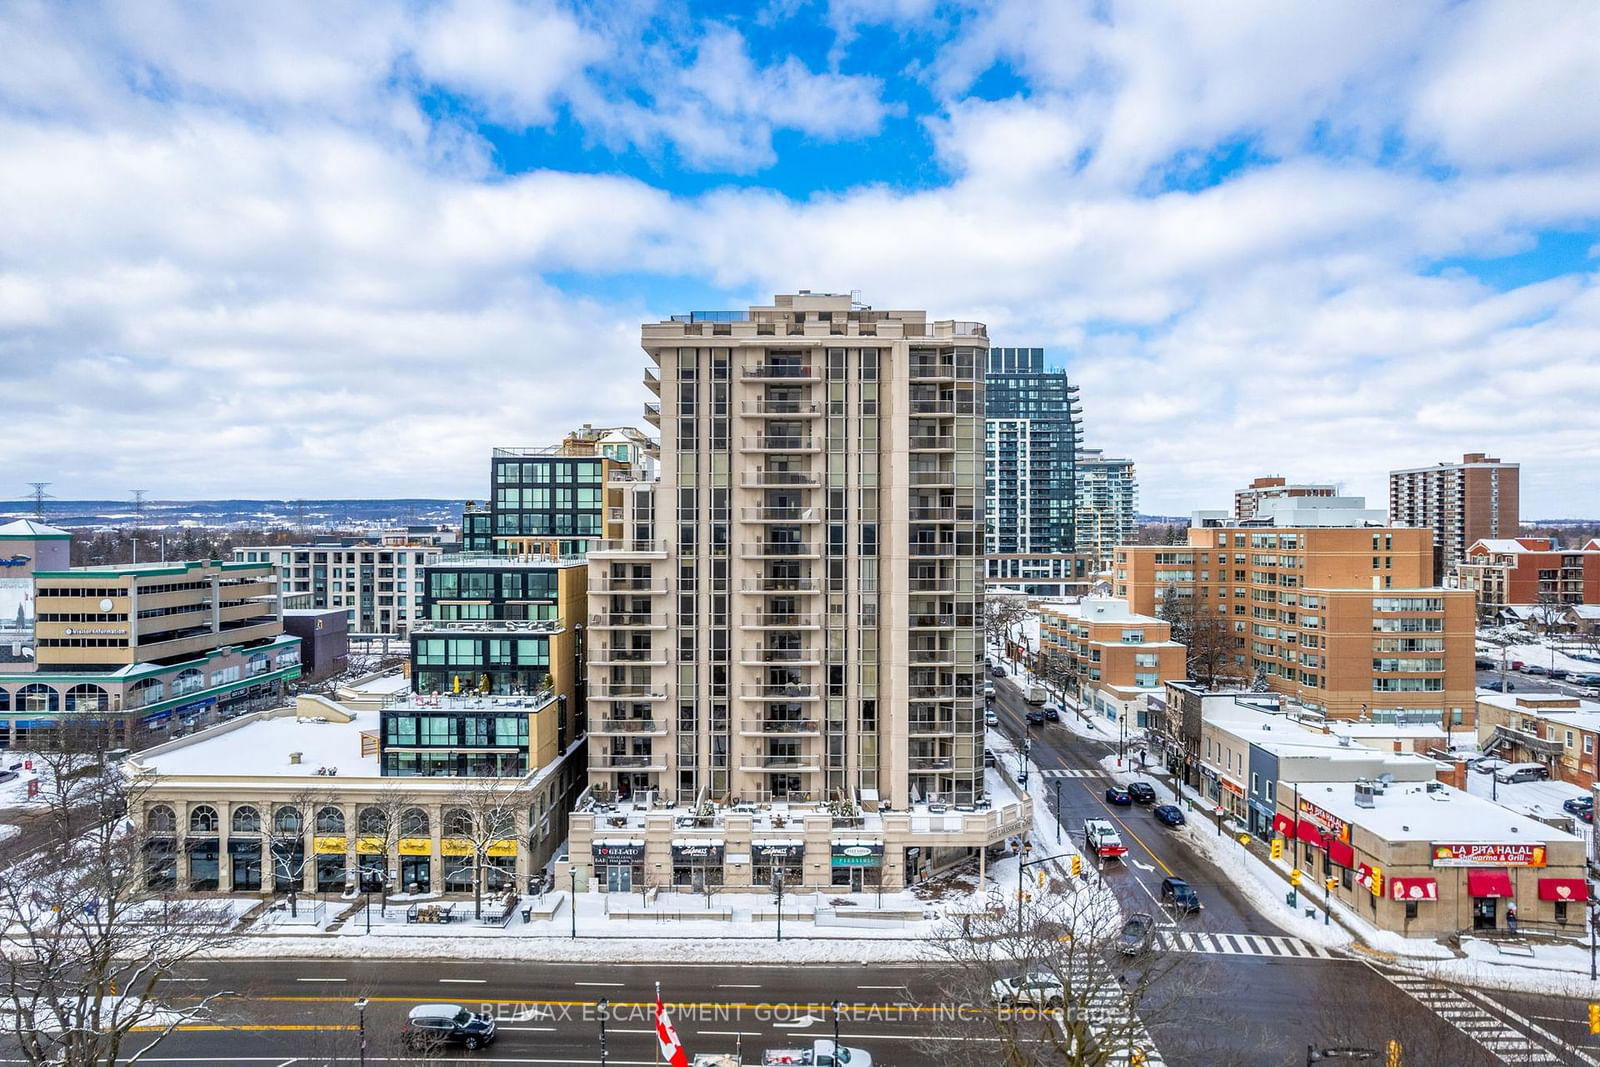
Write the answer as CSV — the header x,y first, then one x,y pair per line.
x,y
796,610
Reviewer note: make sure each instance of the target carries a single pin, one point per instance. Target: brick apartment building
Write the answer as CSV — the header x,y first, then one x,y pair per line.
x,y
1521,571
1247,501
1460,502
1342,618
1122,658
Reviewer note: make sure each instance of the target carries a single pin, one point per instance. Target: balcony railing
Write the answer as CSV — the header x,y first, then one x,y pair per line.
x,y
630,547
609,691
627,585
780,372
933,478
798,408
623,620
756,657
932,622
931,726
940,550
927,442
765,443
605,761
931,763
799,620
778,549
789,691
770,762
627,726
772,584
790,727
933,656
781,514
765,479
600,657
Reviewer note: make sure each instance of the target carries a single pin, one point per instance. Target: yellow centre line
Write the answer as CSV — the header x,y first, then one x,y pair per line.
x,y
615,1004
211,1028
1101,801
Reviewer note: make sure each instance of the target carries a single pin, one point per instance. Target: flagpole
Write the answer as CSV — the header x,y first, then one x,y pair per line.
x,y
658,1024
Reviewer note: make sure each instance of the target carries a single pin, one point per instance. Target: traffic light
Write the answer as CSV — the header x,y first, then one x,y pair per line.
x,y
1077,866
1329,883
1294,877
1040,875
1393,1059
1277,849
1376,885
1594,1019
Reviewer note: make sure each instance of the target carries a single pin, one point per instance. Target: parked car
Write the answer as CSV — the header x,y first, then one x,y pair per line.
x,y
1180,896
1035,716
1101,839
1116,794
1027,990
1590,680
1578,805
1522,772
1136,934
1483,664
1534,669
1501,687
1169,814
997,671
990,718
432,1026
1487,764
1142,792
820,1052
989,758
988,691
1052,713
1558,673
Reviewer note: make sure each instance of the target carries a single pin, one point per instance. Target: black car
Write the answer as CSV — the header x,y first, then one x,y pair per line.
x,y
1483,664
1142,792
433,1026
1169,814
1501,687
1137,934
1052,713
1558,673
997,671
1116,794
1578,805
1180,896
1035,716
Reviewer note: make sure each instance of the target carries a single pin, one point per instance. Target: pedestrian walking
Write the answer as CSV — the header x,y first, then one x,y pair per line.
x,y
1511,916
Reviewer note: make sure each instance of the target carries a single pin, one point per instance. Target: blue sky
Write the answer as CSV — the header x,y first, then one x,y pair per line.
x,y
345,249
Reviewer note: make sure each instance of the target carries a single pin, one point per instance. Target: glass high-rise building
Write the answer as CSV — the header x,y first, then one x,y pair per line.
x,y
1032,431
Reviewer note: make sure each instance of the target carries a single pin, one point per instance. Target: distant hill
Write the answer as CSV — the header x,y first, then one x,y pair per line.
x,y
258,514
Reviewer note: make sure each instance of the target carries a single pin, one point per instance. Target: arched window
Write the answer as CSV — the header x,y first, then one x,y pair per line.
x,y
330,820
288,820
372,822
246,820
203,819
37,696
161,820
5,700
457,822
256,664
87,698
143,694
502,825
413,823
188,681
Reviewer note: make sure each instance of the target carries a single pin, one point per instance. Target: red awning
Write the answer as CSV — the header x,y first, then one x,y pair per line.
x,y
1282,824
1364,876
1492,883
1310,832
1341,853
1575,889
1414,889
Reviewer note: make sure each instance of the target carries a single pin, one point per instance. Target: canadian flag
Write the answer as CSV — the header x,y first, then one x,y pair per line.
x,y
671,1047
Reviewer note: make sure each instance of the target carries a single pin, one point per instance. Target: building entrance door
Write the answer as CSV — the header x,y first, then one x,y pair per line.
x,y
1484,910
619,879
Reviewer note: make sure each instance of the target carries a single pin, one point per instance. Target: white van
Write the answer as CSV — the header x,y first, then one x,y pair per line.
x,y
1037,695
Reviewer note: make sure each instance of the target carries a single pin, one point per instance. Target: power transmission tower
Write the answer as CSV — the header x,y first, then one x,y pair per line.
x,y
39,497
138,518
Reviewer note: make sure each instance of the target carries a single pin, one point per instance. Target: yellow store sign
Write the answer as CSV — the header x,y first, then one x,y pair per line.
x,y
455,846
502,848
369,846
328,846
416,846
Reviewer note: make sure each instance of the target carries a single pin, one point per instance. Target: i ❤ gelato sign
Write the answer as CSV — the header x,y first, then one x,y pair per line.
x,y
1488,855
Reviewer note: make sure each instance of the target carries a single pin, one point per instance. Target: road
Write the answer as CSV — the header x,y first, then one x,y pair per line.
x,y
1264,1008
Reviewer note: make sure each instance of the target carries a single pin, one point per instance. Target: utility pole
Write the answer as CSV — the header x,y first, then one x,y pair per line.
x,y
138,518
39,497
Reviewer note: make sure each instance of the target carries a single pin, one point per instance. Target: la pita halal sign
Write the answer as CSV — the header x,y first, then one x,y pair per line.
x,y
1486,855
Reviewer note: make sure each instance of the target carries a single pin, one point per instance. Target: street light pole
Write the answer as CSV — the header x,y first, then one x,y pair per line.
x,y
1594,921
361,1032
605,1011
573,899
778,884
837,1007
1056,784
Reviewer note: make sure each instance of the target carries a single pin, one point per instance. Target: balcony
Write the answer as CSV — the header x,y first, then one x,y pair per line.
x,y
933,442
946,585
779,550
650,691
652,414
768,584
933,657
938,514
786,692
926,727
629,547
765,479
772,762
932,622
800,620
781,514
627,726
784,727
931,763
640,586
607,761
804,409
932,371
938,550
794,657
781,372
642,657
933,407
763,443
933,479
629,620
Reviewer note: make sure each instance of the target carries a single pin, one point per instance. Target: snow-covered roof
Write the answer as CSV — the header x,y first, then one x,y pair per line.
x,y
1501,544
262,747
1411,812
1585,611
380,685
1557,707
28,528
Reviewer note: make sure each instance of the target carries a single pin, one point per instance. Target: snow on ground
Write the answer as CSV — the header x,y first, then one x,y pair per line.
x,y
1539,655
1538,799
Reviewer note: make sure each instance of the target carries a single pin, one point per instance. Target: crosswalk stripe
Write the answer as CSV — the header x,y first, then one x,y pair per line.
x,y
1072,772
1485,1029
1240,944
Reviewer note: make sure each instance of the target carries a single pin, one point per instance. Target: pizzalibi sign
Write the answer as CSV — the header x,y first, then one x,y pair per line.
x,y
1488,855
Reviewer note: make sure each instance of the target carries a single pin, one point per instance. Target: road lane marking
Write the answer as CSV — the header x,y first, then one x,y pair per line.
x,y
738,985
322,979
271,1028
183,979
465,981
601,985
880,987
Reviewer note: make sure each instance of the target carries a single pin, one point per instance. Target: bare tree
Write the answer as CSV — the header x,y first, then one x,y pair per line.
x,y
1059,674
1062,991
482,813
84,938
1211,645
285,858
1002,617
1549,612
380,826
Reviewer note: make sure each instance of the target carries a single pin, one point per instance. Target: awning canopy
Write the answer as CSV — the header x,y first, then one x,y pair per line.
x,y
1341,853
1282,824
1413,889
1310,832
1492,883
1563,889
